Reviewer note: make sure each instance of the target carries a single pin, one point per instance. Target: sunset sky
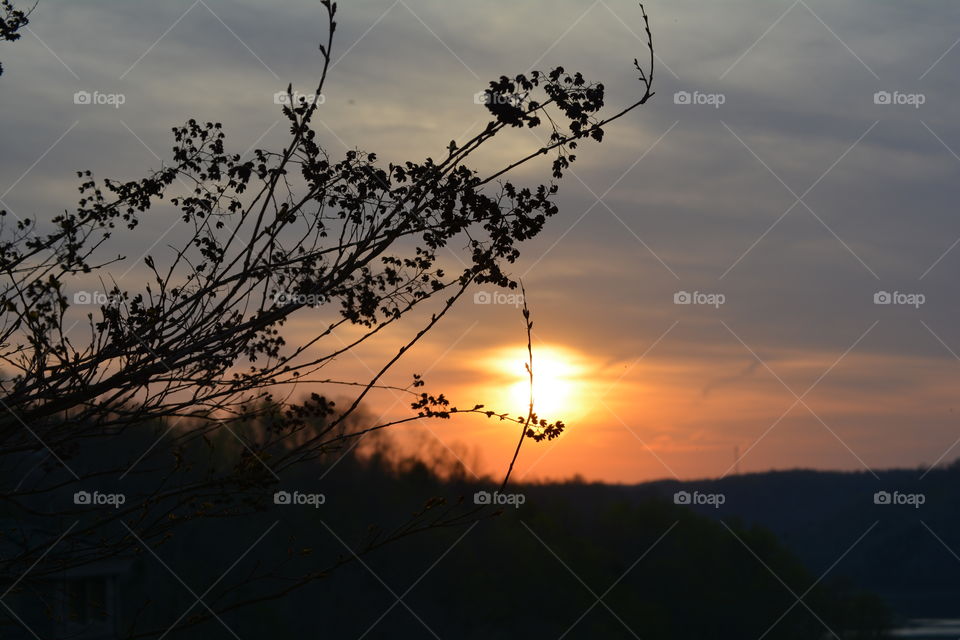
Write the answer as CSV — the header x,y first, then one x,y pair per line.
x,y
767,173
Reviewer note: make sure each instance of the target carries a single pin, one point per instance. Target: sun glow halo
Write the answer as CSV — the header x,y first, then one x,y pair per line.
x,y
557,382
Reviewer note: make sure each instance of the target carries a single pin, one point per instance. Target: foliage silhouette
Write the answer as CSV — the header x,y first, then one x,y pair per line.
x,y
197,353
12,20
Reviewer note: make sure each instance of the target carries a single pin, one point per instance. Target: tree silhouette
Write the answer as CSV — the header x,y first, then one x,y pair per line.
x,y
199,347
11,22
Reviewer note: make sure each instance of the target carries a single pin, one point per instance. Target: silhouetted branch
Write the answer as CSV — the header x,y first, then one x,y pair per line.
x,y
192,360
12,20
529,366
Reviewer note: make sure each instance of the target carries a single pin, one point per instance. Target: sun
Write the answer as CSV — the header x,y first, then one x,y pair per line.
x,y
557,386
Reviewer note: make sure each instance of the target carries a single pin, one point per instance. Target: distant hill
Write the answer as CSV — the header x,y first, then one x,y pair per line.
x,y
818,515
572,560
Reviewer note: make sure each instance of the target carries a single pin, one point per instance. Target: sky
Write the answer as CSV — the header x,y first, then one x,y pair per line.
x,y
795,172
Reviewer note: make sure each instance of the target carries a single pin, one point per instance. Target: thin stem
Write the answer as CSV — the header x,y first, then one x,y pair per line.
x,y
526,423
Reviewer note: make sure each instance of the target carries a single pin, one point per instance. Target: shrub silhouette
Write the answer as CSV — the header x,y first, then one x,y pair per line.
x,y
197,352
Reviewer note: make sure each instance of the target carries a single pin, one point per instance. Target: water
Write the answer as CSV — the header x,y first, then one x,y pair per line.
x,y
928,628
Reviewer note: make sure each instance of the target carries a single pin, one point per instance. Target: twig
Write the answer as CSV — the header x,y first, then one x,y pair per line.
x,y
529,366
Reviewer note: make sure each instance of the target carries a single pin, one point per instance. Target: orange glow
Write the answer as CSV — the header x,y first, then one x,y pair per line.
x,y
560,376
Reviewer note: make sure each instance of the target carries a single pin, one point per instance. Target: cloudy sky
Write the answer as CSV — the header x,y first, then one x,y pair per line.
x,y
798,160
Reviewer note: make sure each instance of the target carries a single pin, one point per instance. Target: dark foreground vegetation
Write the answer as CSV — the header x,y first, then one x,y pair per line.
x,y
533,571
904,549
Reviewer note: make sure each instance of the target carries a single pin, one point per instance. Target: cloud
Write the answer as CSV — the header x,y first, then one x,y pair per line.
x,y
692,197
